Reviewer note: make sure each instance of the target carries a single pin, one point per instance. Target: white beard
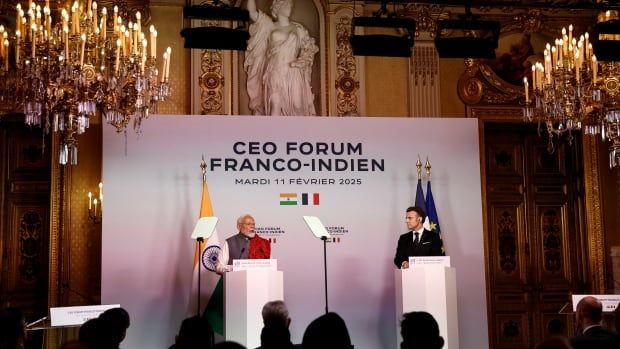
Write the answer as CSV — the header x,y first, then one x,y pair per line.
x,y
249,234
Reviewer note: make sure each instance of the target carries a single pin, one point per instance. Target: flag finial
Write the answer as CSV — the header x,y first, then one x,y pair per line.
x,y
428,168
418,164
203,167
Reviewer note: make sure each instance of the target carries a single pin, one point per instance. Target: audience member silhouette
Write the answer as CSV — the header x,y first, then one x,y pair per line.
x,y
590,333
228,345
91,334
12,329
556,327
328,331
113,324
195,333
554,342
420,331
275,333
275,337
275,313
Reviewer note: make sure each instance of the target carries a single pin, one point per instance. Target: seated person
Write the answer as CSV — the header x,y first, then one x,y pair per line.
x,y
195,333
275,333
419,329
590,333
113,325
328,331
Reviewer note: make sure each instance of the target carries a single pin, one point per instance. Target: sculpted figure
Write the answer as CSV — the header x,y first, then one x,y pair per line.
x,y
278,62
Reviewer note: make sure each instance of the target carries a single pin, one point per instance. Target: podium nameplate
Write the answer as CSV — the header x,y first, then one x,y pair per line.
x,y
76,316
610,301
443,261
252,264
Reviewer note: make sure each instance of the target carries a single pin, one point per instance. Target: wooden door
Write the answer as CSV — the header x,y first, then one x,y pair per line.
x,y
24,218
534,201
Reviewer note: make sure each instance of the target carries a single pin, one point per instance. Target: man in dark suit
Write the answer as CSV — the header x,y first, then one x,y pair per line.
x,y
418,241
591,335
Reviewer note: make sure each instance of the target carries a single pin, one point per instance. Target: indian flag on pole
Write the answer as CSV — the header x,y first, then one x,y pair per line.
x,y
205,258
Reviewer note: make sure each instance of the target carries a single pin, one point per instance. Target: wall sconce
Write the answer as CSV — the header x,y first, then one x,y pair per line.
x,y
95,205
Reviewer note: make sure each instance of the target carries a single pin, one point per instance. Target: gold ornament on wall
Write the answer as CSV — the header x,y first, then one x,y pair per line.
x,y
347,85
211,82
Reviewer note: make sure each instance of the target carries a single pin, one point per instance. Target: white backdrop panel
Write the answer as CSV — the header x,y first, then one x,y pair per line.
x,y
152,200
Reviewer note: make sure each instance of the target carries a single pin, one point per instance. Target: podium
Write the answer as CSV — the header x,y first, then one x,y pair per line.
x,y
429,288
245,294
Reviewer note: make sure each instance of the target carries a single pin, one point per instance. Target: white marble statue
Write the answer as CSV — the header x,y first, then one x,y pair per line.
x,y
278,63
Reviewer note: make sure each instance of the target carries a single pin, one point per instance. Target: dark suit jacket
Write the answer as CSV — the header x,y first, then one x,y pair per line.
x,y
429,245
596,338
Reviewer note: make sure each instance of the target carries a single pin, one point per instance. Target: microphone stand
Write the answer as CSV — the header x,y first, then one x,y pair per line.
x,y
198,242
318,230
324,238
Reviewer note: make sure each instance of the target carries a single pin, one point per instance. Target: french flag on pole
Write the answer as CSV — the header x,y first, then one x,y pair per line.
x,y
306,197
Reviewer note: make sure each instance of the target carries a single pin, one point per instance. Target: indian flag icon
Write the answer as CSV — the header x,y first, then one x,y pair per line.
x,y
288,199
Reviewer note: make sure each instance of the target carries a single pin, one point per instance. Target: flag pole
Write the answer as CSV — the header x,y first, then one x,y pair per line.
x,y
428,169
324,238
200,240
418,164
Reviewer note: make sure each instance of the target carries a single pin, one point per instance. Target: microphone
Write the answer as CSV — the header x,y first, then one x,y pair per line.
x,y
32,324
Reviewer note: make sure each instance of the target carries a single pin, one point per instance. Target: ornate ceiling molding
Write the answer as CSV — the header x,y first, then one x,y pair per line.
x,y
480,85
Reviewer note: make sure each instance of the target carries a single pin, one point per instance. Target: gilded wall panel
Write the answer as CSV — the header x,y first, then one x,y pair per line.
x,y
347,83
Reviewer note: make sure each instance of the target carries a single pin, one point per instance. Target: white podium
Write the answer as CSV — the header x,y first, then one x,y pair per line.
x,y
429,288
245,294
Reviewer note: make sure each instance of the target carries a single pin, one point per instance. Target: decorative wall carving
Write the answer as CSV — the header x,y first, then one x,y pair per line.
x,y
211,78
30,239
347,85
211,82
480,85
426,66
507,238
510,329
594,211
552,240
513,331
425,89
426,17
503,159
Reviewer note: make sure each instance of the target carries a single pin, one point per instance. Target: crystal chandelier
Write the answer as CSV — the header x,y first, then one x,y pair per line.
x,y
571,90
63,66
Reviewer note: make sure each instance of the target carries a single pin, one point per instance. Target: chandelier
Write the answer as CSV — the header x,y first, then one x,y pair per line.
x,y
572,90
63,66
